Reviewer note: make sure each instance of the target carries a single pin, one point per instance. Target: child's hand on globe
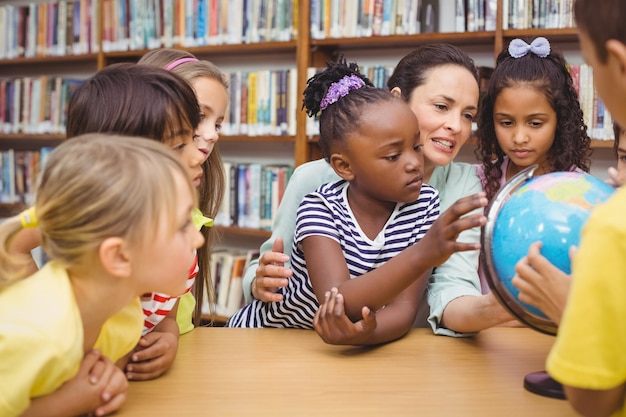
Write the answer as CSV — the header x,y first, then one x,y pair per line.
x,y
542,284
615,179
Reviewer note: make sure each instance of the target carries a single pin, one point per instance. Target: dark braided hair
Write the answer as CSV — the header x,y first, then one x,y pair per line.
x,y
551,77
342,117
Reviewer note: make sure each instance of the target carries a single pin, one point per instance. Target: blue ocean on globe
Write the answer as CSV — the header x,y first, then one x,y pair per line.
x,y
550,208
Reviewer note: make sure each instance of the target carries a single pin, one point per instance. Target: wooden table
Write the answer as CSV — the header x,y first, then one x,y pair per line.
x,y
287,372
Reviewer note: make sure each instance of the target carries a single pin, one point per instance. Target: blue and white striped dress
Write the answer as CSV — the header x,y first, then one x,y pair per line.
x,y
326,212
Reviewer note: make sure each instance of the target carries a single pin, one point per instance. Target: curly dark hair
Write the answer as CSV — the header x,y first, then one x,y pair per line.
x,y
342,117
550,76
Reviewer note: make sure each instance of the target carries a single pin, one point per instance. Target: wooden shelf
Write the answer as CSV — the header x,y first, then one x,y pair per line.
x,y
241,231
561,35
61,60
209,50
595,143
214,319
466,38
36,141
225,49
23,141
262,138
600,143
29,142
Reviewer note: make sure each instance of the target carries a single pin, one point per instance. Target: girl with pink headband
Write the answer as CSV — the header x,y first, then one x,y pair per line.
x,y
211,89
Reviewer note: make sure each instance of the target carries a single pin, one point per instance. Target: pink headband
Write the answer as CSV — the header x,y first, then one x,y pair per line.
x,y
178,62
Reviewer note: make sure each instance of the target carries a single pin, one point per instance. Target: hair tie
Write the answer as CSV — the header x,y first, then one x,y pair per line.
x,y
176,63
28,218
340,89
540,47
198,219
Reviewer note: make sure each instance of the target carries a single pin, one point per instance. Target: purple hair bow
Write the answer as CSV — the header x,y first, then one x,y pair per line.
x,y
340,89
540,47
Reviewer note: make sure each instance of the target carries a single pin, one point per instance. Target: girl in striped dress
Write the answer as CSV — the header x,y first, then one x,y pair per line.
x,y
365,236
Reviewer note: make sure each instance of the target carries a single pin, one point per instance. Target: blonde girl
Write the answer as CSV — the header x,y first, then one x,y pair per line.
x,y
140,100
114,215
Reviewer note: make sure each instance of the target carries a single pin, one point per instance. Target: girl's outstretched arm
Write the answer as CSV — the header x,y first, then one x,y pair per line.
x,y
327,266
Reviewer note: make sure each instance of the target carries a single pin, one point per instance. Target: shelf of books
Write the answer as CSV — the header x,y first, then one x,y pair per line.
x,y
253,192
226,296
19,171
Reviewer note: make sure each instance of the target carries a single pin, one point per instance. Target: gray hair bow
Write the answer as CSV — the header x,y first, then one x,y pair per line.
x,y
540,47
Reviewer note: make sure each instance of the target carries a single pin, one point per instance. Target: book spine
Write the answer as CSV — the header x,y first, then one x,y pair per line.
x,y
242,195
292,101
254,196
69,28
3,34
201,23
316,19
252,104
385,28
282,102
243,104
22,24
234,194
265,199
223,215
235,292
3,104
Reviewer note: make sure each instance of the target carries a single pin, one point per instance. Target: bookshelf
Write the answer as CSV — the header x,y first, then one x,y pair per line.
x,y
300,52
304,51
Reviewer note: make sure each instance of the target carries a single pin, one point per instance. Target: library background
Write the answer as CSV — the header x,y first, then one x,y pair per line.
x,y
267,49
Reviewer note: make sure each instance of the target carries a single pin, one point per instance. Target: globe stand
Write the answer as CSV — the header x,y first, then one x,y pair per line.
x,y
541,383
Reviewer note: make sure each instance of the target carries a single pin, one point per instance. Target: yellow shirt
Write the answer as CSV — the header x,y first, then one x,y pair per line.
x,y
41,337
186,305
591,343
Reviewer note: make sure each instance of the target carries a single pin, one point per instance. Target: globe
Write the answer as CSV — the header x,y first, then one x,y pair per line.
x,y
550,208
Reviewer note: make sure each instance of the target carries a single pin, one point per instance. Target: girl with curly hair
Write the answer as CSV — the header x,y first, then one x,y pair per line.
x,y
530,115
